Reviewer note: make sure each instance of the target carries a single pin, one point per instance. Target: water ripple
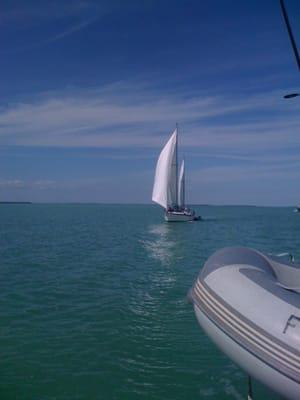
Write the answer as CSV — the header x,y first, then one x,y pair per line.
x,y
93,300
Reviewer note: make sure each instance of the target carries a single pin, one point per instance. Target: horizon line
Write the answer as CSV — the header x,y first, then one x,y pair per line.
x,y
28,202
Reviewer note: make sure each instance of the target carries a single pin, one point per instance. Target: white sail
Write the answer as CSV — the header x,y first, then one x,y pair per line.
x,y
181,186
165,181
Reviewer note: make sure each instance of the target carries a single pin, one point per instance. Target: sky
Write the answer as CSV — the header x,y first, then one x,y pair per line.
x,y
92,90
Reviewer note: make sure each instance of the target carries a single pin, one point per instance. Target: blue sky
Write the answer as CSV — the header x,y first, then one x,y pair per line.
x,y
91,90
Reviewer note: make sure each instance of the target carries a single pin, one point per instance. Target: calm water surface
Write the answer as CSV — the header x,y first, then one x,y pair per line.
x,y
93,300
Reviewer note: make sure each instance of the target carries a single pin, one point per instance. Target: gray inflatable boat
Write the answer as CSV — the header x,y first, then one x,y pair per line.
x,y
248,303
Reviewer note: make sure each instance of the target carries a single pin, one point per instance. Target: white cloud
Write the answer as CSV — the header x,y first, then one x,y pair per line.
x,y
27,184
127,115
246,173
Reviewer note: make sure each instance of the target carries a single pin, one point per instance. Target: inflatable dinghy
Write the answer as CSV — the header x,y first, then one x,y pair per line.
x,y
248,303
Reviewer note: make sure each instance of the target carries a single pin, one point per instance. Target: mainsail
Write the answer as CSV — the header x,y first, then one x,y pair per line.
x,y
165,181
181,186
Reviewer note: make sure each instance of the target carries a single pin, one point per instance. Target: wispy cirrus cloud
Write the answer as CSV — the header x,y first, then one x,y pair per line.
x,y
62,18
36,12
72,29
135,115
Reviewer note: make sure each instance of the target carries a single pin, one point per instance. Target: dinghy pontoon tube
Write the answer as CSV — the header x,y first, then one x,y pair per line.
x,y
249,305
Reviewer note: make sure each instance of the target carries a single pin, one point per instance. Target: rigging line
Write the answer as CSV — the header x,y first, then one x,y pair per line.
x,y
286,18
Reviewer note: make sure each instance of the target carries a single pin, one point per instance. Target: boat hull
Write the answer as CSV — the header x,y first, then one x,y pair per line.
x,y
248,303
180,217
247,361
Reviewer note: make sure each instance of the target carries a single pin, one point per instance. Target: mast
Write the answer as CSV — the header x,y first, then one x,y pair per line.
x,y
176,166
287,22
293,43
183,186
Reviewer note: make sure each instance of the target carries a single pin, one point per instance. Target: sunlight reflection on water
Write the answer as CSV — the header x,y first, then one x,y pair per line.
x,y
162,247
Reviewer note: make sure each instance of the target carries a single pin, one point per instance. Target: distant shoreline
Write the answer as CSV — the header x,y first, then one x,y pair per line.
x,y
15,202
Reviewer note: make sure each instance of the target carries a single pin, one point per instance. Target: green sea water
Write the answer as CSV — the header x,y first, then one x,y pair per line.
x,y
93,300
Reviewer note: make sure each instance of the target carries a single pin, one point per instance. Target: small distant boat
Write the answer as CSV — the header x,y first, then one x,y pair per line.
x,y
248,303
169,188
297,209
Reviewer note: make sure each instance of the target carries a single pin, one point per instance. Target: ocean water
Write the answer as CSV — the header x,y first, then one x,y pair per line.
x,y
93,300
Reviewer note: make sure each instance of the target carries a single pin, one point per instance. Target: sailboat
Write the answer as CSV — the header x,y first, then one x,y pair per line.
x,y
169,187
297,209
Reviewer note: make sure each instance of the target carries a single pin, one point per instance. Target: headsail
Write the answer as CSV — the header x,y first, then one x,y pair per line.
x,y
165,182
181,186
